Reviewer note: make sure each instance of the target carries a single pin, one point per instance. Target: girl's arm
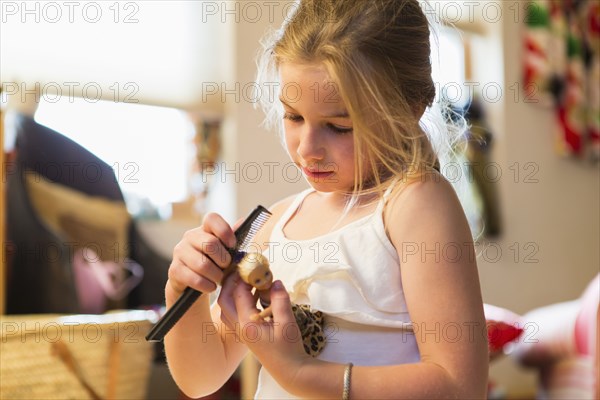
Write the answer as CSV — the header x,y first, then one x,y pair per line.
x,y
426,224
201,356
430,232
203,349
202,352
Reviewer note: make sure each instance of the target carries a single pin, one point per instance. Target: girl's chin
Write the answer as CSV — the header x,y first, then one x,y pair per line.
x,y
328,187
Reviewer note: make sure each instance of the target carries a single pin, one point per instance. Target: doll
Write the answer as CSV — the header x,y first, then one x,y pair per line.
x,y
254,269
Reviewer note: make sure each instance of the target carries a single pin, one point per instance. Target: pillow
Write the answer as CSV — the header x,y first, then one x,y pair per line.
x,y
587,319
503,327
551,334
86,221
99,282
561,330
94,225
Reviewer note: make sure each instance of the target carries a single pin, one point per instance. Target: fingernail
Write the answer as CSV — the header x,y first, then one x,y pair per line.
x,y
278,286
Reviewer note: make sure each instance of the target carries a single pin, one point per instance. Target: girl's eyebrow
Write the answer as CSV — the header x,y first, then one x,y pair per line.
x,y
341,114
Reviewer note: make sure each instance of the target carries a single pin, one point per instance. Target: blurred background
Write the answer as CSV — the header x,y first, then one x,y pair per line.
x,y
124,122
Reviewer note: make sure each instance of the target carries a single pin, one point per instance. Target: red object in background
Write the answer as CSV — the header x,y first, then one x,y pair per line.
x,y
594,19
501,333
572,138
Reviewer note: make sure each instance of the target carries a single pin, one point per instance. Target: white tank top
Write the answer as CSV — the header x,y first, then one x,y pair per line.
x,y
352,275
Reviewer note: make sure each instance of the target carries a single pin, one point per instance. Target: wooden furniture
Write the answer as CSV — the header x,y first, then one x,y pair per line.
x,y
75,356
2,210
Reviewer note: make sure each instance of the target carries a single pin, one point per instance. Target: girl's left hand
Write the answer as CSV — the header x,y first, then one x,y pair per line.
x,y
276,343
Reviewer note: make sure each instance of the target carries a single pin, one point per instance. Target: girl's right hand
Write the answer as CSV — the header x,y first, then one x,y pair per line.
x,y
200,257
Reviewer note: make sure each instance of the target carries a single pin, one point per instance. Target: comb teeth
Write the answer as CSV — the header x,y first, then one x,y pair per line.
x,y
251,226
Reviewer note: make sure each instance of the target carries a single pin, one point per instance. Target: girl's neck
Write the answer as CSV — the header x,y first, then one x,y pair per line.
x,y
323,212
339,200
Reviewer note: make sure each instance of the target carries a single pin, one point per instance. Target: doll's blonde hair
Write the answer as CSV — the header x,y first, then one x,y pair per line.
x,y
249,263
378,53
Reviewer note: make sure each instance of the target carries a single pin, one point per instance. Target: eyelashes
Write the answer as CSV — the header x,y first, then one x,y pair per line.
x,y
339,129
292,117
295,118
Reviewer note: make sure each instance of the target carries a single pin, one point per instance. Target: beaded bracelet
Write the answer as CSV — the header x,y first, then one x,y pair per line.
x,y
347,376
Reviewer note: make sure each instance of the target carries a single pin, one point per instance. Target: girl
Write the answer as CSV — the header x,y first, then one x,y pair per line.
x,y
384,250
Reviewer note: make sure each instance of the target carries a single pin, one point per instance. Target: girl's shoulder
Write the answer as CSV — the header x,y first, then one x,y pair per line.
x,y
428,203
424,187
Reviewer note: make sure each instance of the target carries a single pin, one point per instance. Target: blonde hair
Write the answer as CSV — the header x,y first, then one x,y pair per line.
x,y
378,53
249,263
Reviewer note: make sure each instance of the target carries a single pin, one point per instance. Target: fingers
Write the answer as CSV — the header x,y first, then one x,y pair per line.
x,y
200,257
237,224
202,264
245,302
281,305
206,247
226,301
181,276
216,225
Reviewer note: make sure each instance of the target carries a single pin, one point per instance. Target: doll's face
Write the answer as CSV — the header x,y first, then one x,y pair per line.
x,y
260,277
254,270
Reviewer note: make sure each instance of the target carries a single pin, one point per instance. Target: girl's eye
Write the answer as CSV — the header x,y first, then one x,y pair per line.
x,y
339,129
257,281
267,274
292,117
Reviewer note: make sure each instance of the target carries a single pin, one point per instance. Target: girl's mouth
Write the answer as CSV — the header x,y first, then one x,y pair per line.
x,y
317,175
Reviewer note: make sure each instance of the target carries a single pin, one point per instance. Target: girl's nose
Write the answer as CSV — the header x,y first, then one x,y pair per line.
x,y
311,146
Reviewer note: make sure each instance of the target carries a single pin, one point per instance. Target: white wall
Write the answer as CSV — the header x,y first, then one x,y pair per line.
x,y
255,168
555,220
115,51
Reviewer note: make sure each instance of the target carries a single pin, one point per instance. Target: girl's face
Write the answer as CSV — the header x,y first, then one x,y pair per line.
x,y
318,130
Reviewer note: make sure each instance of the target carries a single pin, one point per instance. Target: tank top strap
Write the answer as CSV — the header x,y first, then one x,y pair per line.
x,y
386,196
295,204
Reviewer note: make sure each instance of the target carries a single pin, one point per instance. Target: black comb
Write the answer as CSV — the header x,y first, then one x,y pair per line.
x,y
243,235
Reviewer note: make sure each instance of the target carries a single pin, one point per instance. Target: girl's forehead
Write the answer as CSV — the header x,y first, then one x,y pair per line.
x,y
310,80
304,74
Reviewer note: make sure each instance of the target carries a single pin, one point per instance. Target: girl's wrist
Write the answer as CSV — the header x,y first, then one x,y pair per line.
x,y
314,378
172,294
200,308
299,376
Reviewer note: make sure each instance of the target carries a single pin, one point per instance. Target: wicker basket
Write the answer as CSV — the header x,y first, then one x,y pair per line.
x,y
76,356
